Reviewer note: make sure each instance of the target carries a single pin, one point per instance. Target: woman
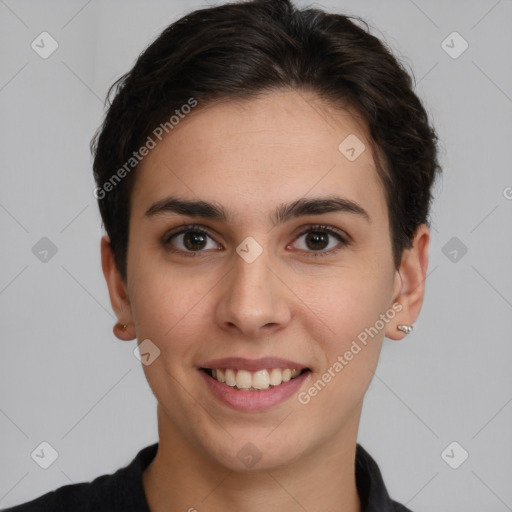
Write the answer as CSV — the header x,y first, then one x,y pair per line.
x,y
264,176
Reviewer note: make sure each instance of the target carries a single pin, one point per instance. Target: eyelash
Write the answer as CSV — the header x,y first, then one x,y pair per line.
x,y
200,229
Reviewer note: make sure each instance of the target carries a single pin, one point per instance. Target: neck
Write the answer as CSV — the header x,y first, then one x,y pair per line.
x,y
181,479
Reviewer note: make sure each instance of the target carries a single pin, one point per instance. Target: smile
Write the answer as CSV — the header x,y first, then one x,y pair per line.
x,y
253,384
253,381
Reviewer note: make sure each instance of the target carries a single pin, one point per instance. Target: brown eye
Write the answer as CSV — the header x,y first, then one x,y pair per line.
x,y
188,240
317,240
192,240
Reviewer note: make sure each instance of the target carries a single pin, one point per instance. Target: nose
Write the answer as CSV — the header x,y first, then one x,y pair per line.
x,y
253,301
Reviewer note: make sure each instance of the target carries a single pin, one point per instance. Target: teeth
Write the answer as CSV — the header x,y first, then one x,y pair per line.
x,y
259,380
243,379
229,377
276,377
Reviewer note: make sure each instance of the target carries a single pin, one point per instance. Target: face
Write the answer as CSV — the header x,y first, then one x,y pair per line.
x,y
258,288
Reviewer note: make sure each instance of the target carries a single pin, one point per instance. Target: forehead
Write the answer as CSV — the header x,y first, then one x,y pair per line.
x,y
251,154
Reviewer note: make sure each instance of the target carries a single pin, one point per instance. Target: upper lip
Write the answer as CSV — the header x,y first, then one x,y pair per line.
x,y
240,363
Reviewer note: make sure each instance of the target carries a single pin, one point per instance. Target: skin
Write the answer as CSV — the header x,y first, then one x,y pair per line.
x,y
250,156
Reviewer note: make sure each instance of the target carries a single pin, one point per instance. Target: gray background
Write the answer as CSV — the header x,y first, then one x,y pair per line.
x,y
65,379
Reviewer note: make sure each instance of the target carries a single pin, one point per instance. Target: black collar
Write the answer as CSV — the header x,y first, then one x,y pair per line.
x,y
370,485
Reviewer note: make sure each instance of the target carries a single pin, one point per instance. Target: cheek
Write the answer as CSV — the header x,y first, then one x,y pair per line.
x,y
352,305
174,310
348,300
161,303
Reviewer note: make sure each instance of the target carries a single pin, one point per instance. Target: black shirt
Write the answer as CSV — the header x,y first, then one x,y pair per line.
x,y
122,491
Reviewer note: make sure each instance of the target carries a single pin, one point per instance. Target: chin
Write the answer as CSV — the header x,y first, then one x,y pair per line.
x,y
246,449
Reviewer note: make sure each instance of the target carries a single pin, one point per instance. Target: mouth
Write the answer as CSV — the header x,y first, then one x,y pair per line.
x,y
253,384
259,380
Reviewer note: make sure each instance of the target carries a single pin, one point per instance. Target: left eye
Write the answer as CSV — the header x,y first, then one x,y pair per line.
x,y
193,239
318,236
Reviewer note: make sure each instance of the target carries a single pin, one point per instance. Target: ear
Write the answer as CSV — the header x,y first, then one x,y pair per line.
x,y
409,284
118,292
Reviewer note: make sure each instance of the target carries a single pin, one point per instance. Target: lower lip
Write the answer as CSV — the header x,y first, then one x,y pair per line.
x,y
254,400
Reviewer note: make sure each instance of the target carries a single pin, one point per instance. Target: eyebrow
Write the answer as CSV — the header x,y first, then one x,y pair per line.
x,y
283,213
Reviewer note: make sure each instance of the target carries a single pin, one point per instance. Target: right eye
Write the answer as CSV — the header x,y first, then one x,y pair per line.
x,y
191,239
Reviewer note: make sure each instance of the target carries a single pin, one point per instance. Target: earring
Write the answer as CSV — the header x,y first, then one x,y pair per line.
x,y
405,328
121,330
